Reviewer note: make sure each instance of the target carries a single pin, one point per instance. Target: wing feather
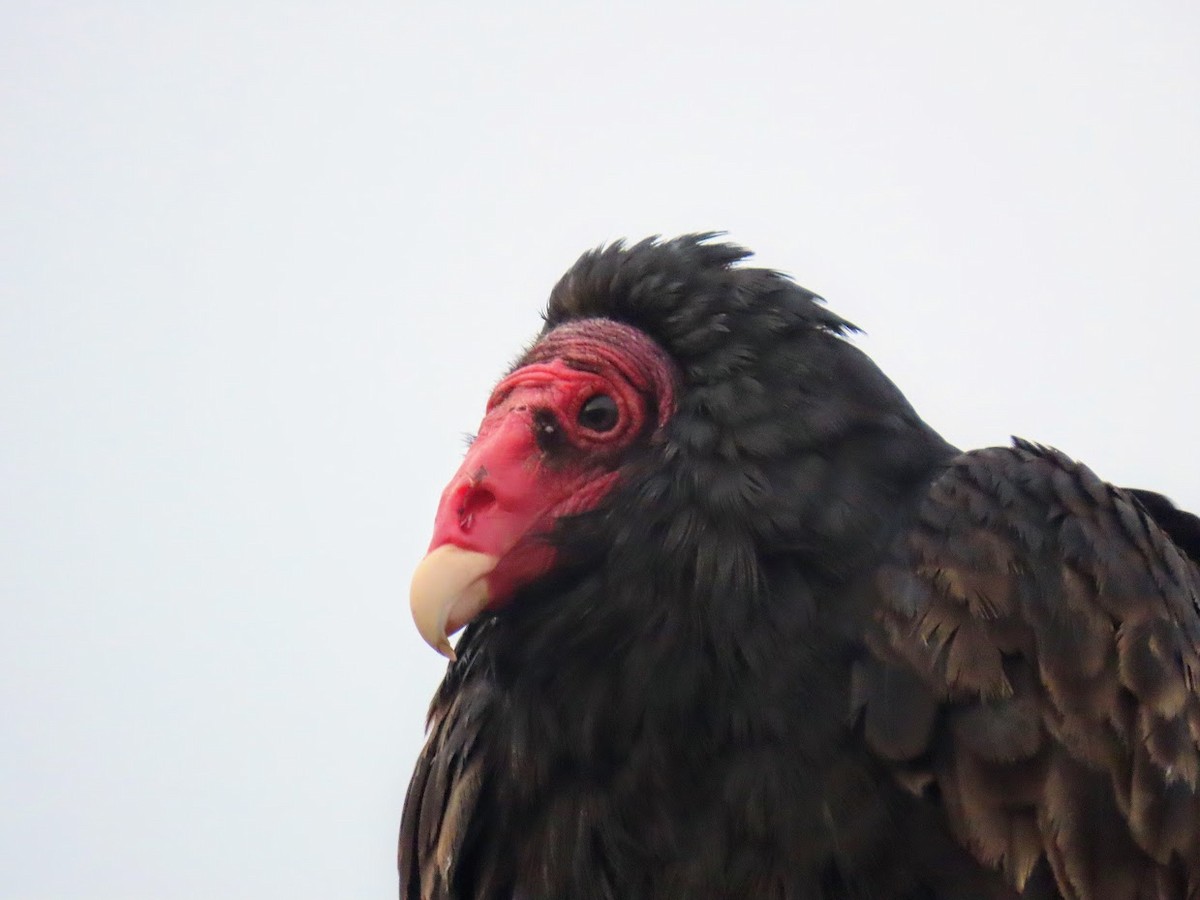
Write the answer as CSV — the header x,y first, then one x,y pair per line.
x,y
439,833
1054,623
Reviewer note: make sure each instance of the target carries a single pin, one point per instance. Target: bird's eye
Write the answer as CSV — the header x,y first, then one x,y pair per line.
x,y
599,414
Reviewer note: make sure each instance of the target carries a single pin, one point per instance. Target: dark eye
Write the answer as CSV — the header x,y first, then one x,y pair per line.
x,y
599,414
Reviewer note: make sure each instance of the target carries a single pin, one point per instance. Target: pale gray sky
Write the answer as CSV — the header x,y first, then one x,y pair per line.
x,y
261,262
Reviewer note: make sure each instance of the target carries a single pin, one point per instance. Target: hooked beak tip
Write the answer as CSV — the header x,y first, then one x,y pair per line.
x,y
449,589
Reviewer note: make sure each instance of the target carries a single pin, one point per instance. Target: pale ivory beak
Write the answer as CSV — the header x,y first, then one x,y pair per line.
x,y
449,589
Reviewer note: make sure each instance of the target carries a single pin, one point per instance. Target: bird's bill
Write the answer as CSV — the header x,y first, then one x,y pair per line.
x,y
493,503
449,589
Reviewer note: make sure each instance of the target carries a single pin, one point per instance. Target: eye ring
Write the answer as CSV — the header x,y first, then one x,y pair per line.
x,y
599,414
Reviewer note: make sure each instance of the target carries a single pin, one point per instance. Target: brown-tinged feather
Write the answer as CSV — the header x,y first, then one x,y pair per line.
x,y
1082,771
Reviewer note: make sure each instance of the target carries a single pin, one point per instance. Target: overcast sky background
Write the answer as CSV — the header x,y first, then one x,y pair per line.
x,y
262,261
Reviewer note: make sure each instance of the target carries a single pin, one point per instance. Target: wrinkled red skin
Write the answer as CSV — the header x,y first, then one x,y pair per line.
x,y
510,488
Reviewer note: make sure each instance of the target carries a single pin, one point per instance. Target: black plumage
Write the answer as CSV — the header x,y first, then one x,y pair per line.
x,y
805,648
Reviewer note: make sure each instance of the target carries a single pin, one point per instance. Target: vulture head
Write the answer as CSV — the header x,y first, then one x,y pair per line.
x,y
679,420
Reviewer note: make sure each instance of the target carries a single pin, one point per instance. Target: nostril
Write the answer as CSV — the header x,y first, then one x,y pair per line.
x,y
474,500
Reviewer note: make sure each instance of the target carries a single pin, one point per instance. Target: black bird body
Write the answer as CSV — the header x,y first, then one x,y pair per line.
x,y
804,648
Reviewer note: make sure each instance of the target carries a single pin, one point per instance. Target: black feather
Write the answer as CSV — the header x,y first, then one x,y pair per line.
x,y
1182,527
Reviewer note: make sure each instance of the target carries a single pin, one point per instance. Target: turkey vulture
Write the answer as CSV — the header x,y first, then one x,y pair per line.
x,y
739,624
